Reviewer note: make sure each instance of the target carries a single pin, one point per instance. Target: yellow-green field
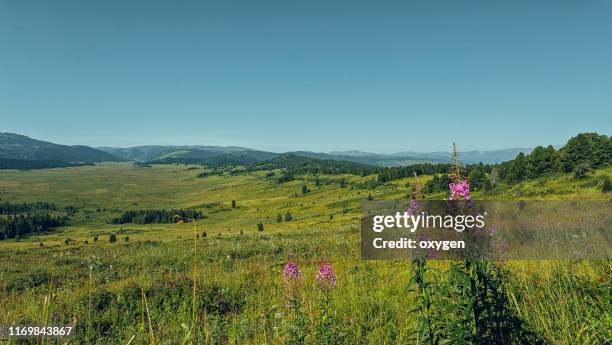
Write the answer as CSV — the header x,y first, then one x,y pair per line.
x,y
123,186
141,290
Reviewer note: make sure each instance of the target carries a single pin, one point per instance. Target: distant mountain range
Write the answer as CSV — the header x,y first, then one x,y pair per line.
x,y
16,146
242,155
20,147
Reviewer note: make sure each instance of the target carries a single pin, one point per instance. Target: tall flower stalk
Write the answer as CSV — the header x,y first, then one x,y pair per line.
x,y
327,329
292,278
417,194
459,188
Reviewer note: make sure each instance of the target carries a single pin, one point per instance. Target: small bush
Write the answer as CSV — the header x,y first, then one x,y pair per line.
x,y
112,238
606,186
582,170
260,227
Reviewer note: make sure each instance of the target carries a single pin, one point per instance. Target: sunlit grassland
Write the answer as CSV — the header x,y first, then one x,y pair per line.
x,y
113,187
241,296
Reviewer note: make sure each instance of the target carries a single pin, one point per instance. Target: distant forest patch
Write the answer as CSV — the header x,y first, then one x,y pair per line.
x,y
156,216
26,164
20,219
292,165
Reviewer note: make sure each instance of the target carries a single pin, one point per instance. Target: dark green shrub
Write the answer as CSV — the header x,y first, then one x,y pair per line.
x,y
582,170
606,186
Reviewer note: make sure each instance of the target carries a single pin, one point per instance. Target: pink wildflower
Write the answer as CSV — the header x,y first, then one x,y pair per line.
x,y
291,271
413,207
326,276
460,190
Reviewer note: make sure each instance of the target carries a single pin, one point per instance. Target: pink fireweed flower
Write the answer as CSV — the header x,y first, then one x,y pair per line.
x,y
460,190
291,271
413,207
325,275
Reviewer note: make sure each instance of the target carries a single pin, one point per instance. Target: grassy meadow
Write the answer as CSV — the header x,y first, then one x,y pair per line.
x,y
140,290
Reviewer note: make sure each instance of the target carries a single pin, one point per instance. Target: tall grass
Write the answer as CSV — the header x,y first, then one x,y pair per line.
x,y
149,296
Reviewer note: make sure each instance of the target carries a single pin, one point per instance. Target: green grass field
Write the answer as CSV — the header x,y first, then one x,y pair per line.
x,y
140,291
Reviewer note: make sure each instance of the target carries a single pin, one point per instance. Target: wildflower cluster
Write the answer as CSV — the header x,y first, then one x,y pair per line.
x,y
325,276
291,271
460,190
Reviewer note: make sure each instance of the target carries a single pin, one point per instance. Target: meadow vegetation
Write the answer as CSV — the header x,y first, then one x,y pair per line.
x,y
224,279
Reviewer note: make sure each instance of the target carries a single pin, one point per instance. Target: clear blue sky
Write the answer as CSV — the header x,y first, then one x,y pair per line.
x,y
317,75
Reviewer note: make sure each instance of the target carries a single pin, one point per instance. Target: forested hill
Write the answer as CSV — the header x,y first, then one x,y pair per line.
x,y
214,158
21,147
296,164
579,156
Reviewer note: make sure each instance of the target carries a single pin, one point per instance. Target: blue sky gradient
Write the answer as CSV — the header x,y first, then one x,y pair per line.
x,y
381,76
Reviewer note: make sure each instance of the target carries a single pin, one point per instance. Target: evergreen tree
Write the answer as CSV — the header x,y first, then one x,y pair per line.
x,y
541,161
517,169
588,148
477,178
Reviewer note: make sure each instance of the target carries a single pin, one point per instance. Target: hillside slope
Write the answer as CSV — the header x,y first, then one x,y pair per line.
x,y
16,146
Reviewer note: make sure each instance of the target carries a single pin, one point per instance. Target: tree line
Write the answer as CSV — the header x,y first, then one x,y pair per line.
x,y
154,216
579,156
17,226
293,165
395,173
25,164
10,208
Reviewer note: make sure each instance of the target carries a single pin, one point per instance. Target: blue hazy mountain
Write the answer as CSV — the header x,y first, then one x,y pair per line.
x,y
20,147
16,146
